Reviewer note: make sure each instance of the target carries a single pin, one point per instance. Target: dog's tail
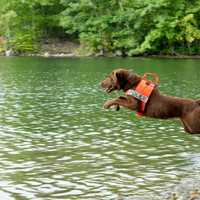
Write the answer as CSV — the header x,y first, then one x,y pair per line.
x,y
198,101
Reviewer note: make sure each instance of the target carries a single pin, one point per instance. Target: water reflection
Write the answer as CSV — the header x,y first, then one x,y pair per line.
x,y
56,142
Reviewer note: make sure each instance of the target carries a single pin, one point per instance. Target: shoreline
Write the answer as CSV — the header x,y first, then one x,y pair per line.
x,y
74,55
56,48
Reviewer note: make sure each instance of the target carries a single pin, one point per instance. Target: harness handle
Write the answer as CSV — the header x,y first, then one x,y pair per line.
x,y
156,78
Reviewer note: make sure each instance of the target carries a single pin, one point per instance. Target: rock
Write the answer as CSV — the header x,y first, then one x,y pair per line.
x,y
118,53
9,52
46,54
58,48
188,189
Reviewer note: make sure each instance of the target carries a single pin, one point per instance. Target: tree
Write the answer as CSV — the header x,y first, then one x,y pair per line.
x,y
133,26
123,27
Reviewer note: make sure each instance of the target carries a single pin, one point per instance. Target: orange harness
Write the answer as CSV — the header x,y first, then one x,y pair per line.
x,y
143,91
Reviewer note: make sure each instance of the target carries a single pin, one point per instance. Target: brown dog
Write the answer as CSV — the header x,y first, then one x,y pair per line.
x,y
158,106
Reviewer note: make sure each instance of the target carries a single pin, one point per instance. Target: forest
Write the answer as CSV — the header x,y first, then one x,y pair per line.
x,y
120,27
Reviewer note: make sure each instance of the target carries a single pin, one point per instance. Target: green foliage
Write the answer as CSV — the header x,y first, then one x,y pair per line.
x,y
98,26
24,23
131,27
24,42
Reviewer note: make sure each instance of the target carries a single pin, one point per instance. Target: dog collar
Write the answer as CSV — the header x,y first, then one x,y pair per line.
x,y
142,92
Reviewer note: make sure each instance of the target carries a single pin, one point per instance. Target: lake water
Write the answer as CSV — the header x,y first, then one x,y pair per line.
x,y
56,141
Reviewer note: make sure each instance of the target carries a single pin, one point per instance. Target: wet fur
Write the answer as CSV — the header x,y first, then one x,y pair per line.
x,y
159,105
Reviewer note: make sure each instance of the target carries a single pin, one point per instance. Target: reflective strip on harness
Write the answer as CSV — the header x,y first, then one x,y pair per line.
x,y
142,92
137,95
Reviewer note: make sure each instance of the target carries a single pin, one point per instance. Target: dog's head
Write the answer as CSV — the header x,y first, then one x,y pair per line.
x,y
120,79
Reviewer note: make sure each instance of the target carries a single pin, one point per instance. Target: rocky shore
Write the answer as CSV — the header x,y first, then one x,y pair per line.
x,y
50,48
187,189
67,48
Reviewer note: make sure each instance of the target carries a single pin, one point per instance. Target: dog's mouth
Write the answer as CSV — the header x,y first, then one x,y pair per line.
x,y
109,89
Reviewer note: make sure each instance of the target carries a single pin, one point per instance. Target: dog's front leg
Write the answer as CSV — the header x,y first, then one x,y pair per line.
x,y
126,102
112,103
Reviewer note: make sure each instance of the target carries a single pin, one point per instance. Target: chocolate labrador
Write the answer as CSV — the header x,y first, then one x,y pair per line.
x,y
158,105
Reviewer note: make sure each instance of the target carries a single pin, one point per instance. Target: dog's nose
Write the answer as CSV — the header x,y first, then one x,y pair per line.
x,y
102,84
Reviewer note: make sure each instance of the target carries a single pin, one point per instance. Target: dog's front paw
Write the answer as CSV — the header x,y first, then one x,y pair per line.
x,y
110,104
106,105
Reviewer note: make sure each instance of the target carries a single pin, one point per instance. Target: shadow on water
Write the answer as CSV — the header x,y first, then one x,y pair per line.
x,y
57,142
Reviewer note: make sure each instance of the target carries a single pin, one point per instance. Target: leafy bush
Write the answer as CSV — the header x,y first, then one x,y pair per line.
x,y
131,27
25,23
24,42
134,27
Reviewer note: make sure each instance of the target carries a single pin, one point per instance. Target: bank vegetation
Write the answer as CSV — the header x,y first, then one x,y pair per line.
x,y
102,27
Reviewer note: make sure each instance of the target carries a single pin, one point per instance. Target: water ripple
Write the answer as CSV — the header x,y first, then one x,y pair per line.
x,y
57,142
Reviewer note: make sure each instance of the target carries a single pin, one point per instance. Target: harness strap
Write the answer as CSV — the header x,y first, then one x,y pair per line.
x,y
145,88
142,92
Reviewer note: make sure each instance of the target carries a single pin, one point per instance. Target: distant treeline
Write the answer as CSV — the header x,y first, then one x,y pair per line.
x,y
123,27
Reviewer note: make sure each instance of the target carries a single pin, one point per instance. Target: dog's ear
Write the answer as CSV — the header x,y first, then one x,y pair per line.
x,y
122,74
116,78
121,77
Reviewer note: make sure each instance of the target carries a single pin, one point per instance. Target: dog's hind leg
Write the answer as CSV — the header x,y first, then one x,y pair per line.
x,y
192,121
186,127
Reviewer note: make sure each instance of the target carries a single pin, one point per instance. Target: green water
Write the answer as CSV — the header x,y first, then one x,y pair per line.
x,y
56,141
